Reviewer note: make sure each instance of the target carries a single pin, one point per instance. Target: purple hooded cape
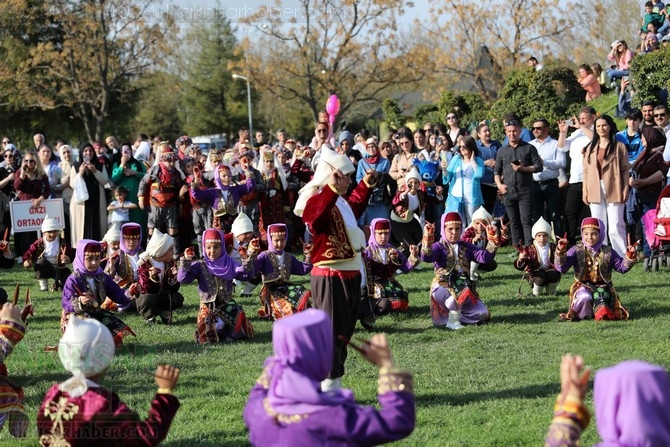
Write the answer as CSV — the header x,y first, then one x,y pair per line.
x,y
632,405
78,263
224,266
123,244
303,345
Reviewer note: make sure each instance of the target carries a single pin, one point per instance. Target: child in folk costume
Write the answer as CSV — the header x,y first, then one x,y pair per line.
x,y
249,202
219,317
271,201
453,294
279,297
240,244
123,265
111,245
592,295
224,198
49,256
476,234
12,331
158,285
162,185
7,258
384,293
86,289
201,213
81,412
407,210
537,260
286,406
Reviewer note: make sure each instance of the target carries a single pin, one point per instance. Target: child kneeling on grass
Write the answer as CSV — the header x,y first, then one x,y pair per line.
x,y
81,412
453,294
537,260
592,294
279,297
384,293
158,284
87,288
219,316
49,255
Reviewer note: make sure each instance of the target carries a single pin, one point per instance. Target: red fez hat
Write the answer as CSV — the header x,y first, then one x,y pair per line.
x,y
211,236
452,217
382,226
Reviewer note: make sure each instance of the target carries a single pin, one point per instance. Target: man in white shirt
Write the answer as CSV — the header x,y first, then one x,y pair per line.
x,y
545,183
575,209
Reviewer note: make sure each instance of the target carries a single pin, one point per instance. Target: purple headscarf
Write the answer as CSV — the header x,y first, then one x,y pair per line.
x,y
217,178
125,249
448,217
303,355
224,266
632,405
601,233
372,242
271,246
78,263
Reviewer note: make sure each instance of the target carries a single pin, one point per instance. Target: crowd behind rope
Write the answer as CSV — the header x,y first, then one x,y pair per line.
x,y
147,217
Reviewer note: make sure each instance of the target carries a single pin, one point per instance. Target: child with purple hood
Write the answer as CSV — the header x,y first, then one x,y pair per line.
x,y
219,316
384,293
224,198
632,405
287,407
86,289
278,296
592,295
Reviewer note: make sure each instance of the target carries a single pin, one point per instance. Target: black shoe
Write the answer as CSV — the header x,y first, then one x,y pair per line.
x,y
165,320
368,323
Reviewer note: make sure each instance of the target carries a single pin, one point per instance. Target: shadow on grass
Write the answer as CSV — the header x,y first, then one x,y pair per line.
x,y
646,311
528,392
217,438
526,318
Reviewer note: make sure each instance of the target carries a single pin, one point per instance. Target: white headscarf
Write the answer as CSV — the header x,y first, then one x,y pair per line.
x,y
86,349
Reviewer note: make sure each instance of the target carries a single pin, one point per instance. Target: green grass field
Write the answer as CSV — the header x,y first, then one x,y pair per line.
x,y
491,385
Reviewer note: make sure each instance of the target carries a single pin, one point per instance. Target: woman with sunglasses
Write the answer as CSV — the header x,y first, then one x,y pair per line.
x,y
454,130
88,220
31,184
7,170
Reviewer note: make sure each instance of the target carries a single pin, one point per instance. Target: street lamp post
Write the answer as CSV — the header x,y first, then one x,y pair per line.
x,y
251,131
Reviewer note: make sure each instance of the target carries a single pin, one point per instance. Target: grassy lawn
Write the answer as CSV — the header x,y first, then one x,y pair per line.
x,y
492,385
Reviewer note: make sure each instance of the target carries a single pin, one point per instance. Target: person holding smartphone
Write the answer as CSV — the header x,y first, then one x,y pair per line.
x,y
516,162
88,220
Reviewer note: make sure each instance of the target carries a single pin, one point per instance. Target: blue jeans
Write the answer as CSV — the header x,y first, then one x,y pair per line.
x,y
617,74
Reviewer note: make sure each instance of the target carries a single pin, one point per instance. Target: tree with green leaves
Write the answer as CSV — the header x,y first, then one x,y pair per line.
x,y
211,100
104,45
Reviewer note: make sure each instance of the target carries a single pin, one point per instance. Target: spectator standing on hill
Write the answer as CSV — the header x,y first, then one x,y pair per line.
x,y
516,162
575,209
545,182
631,136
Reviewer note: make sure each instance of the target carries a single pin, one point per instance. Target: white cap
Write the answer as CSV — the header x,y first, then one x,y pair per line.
x,y
159,244
86,349
50,224
112,235
614,44
413,173
541,226
482,214
242,224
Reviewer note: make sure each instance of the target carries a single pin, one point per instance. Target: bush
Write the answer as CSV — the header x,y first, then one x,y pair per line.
x,y
469,106
552,93
650,74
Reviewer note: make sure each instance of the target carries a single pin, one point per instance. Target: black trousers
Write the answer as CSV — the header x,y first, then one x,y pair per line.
x,y
340,298
547,193
519,209
575,211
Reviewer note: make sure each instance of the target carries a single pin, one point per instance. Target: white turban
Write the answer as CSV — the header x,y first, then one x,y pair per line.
x,y
158,245
242,224
329,161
